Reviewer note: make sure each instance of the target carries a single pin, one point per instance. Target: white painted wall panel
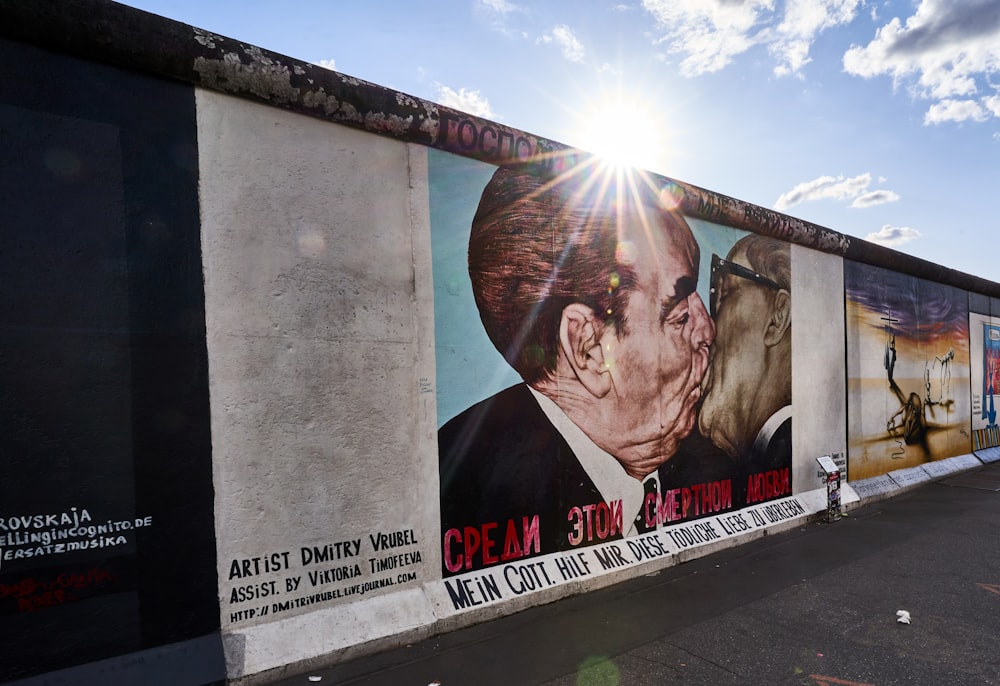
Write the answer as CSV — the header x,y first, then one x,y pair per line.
x,y
818,357
319,318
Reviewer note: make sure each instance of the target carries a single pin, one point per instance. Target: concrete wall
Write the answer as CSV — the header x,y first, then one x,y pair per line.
x,y
240,319
316,252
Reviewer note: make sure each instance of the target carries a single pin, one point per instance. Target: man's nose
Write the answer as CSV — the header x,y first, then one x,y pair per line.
x,y
703,331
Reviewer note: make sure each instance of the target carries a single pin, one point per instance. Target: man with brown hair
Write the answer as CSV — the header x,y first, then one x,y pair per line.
x,y
586,286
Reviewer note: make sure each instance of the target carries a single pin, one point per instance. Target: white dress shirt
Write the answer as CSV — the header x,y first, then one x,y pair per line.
x,y
604,470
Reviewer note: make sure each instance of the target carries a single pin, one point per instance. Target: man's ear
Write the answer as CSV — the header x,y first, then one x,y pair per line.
x,y
580,340
780,319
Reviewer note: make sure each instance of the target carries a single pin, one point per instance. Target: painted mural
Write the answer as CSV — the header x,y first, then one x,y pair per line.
x,y
984,341
908,370
606,368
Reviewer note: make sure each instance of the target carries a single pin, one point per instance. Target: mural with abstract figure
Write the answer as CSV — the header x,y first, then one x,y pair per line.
x,y
909,409
985,352
590,288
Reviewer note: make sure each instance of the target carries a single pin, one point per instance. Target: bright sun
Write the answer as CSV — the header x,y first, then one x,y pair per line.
x,y
624,133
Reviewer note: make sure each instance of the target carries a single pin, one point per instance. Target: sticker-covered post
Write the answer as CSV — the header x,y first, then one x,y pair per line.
x,y
830,473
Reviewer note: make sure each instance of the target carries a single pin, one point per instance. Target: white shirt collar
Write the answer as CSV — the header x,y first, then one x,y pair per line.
x,y
770,426
604,470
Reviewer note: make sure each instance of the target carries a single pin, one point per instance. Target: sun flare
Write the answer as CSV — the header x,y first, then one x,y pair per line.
x,y
625,133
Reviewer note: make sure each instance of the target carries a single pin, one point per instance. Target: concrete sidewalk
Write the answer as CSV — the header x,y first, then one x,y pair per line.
x,y
815,605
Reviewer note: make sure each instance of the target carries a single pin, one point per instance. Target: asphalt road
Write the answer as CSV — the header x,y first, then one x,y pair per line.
x,y
816,606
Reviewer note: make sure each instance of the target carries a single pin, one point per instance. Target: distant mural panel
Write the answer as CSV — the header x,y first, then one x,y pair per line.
x,y
908,370
613,378
984,340
106,526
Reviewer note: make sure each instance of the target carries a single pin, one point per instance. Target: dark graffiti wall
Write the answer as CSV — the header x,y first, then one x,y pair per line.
x,y
106,514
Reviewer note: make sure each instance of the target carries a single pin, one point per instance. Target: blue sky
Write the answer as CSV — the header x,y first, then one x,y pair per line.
x,y
878,119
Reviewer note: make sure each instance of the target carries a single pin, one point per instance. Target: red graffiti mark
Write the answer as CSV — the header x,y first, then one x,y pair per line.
x,y
40,601
830,681
65,580
35,594
992,588
20,589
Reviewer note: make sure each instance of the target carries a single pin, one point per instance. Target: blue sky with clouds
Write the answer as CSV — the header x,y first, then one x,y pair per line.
x,y
879,119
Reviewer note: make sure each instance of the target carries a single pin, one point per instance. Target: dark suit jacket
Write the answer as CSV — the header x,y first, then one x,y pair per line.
x,y
502,460
775,456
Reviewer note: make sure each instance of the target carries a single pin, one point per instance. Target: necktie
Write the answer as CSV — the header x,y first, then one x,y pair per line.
x,y
648,487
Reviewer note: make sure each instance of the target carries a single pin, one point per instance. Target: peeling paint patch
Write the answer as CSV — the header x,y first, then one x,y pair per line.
x,y
320,99
205,38
388,123
350,113
833,242
430,126
404,100
262,76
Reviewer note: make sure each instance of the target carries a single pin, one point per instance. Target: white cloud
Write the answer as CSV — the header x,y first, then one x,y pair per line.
x,y
792,56
992,104
892,236
809,17
499,6
943,52
469,101
562,35
955,110
872,198
497,14
802,22
710,33
946,50
326,64
838,188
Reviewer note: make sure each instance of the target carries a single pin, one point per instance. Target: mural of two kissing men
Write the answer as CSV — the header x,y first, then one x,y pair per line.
x,y
639,405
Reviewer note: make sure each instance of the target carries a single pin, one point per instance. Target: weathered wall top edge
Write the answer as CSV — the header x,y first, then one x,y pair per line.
x,y
107,31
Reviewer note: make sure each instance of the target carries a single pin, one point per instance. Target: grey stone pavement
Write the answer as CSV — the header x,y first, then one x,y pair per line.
x,y
815,605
